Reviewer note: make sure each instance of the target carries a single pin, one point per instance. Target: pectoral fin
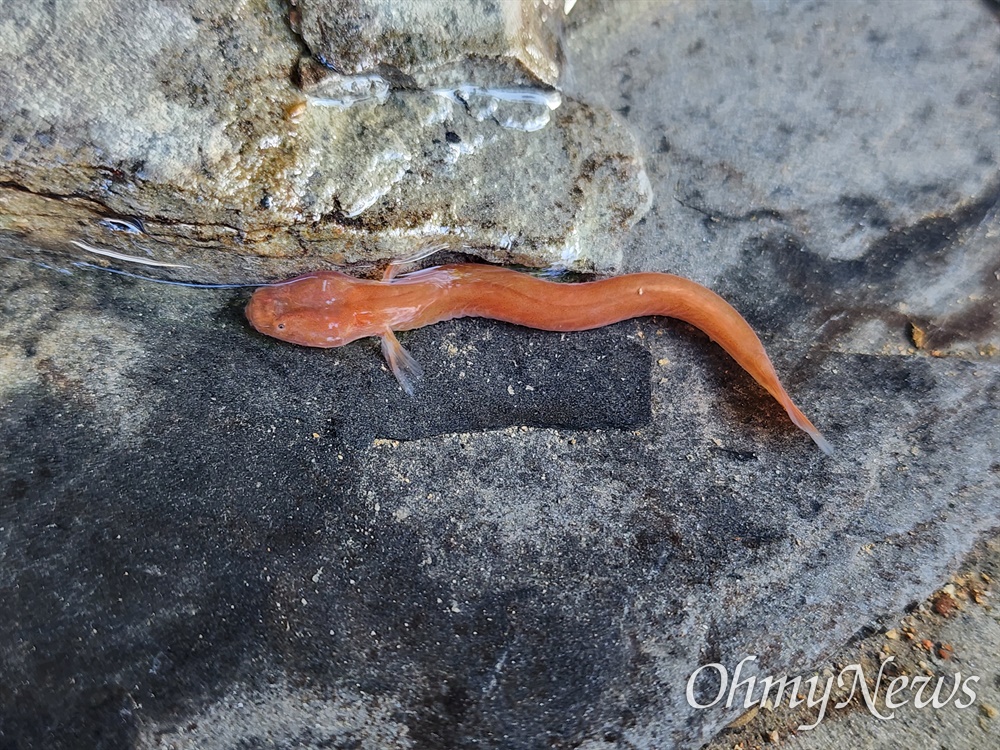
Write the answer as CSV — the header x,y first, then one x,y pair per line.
x,y
406,369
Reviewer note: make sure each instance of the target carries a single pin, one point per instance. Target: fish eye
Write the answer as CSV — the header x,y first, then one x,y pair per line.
x,y
281,326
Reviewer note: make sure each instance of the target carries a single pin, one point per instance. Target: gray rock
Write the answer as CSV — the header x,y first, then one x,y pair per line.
x,y
191,130
952,649
840,127
422,37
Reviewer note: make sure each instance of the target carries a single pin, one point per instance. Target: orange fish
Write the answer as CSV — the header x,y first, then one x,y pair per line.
x,y
328,309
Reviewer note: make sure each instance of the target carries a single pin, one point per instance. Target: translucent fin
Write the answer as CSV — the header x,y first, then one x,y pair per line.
x,y
802,422
406,369
822,442
425,252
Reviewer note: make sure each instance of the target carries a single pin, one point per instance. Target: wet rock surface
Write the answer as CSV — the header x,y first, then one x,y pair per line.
x,y
196,125
209,538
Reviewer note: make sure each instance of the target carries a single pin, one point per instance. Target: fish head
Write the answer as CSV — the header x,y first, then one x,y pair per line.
x,y
318,309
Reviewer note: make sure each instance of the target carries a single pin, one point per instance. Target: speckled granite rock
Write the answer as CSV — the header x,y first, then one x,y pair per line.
x,y
183,121
212,539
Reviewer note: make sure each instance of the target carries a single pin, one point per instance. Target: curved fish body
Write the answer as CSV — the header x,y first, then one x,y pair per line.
x,y
329,309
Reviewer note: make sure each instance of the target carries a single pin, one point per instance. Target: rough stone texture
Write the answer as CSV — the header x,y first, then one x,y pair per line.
x,y
192,125
540,548
422,37
955,633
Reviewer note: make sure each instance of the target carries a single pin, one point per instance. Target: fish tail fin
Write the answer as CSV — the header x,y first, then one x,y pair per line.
x,y
802,422
406,369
